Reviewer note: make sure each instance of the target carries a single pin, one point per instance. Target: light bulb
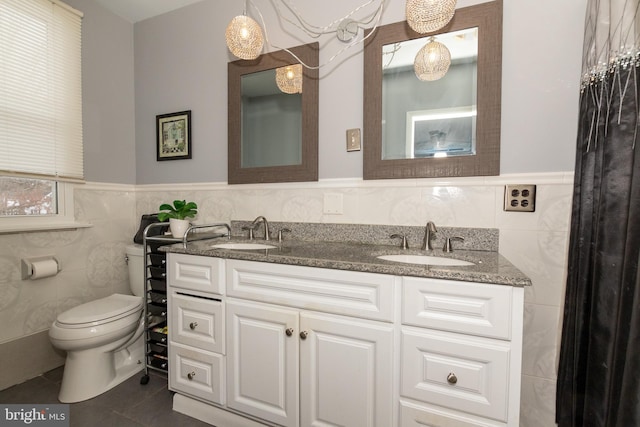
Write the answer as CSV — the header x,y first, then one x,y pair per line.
x,y
289,78
432,61
244,37
426,16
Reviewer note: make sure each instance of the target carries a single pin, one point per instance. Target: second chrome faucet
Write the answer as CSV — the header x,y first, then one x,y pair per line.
x,y
428,235
266,226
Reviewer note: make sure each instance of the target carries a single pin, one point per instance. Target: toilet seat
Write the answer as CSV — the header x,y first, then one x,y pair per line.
x,y
100,311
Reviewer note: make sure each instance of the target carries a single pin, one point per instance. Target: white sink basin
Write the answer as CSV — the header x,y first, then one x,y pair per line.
x,y
242,246
424,260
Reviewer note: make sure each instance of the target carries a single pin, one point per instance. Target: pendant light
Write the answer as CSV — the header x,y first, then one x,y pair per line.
x,y
432,61
289,78
244,36
426,16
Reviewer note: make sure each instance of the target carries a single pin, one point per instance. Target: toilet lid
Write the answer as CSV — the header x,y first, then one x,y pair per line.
x,y
100,311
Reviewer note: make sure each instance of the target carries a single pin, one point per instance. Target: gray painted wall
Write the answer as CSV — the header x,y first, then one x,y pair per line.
x,y
181,63
107,95
178,61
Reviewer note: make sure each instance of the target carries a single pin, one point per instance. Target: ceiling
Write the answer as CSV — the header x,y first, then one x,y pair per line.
x,y
138,10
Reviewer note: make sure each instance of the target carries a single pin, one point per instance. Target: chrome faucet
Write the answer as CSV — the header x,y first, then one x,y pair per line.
x,y
266,226
428,235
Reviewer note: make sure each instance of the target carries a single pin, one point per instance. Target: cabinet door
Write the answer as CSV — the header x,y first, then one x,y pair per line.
x,y
456,371
262,361
346,370
198,373
420,415
196,273
197,321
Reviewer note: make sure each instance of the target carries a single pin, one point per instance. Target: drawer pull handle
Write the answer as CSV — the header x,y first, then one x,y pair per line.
x,y
451,378
193,325
303,335
190,375
289,332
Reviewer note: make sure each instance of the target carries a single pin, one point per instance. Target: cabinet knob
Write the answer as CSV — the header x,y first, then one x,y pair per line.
x,y
451,378
193,325
289,332
190,375
303,335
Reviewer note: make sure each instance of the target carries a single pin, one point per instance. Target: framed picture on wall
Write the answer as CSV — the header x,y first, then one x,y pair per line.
x,y
173,132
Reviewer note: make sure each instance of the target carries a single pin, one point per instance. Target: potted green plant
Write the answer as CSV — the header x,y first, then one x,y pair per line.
x,y
177,216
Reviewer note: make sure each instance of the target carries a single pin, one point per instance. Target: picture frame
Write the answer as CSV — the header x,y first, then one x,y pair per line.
x,y
173,134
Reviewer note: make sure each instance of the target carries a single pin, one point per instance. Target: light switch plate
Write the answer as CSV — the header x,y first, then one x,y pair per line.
x,y
353,140
332,204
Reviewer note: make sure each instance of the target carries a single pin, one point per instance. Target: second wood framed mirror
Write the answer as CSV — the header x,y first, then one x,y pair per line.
x,y
444,128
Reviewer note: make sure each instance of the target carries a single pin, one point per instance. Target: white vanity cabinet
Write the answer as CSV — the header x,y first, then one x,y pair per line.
x,y
296,367
258,343
460,354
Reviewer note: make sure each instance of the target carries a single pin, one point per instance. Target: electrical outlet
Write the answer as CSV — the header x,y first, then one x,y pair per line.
x,y
520,198
353,140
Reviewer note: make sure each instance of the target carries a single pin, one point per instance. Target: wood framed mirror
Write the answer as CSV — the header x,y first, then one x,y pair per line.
x,y
444,128
273,135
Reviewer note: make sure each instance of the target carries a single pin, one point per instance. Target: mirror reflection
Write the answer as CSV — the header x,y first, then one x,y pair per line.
x,y
271,122
430,118
273,117
445,123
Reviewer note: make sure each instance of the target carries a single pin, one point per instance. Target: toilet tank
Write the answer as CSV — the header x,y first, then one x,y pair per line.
x,y
135,261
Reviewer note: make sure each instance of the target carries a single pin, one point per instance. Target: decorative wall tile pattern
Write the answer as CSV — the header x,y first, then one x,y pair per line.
x,y
93,258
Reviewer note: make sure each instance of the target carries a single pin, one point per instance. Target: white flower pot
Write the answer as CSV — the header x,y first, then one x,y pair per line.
x,y
178,227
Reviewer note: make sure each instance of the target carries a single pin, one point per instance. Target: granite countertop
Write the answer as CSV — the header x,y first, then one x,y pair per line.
x,y
489,266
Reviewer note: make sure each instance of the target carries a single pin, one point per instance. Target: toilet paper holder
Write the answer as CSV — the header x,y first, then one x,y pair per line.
x,y
27,265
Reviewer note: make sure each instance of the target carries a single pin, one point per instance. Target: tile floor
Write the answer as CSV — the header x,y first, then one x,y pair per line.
x,y
128,405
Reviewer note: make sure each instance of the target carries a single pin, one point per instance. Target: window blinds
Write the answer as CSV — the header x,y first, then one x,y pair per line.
x,y
40,90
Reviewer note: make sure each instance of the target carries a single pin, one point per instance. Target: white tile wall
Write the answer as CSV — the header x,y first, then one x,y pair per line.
x,y
93,259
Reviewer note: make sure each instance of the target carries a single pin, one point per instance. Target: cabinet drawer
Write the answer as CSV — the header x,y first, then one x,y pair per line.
x,y
469,308
414,415
198,273
196,321
357,294
198,373
430,359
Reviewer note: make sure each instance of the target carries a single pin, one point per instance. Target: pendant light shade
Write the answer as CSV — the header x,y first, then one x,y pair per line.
x,y
425,16
432,61
244,37
289,78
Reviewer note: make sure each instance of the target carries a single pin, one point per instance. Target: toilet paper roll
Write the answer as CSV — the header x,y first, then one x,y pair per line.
x,y
44,268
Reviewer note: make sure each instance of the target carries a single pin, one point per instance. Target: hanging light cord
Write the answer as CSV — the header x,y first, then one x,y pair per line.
x,y
374,17
315,31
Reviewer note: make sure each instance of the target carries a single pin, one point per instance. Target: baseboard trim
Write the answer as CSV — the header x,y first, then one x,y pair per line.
x,y
27,357
210,414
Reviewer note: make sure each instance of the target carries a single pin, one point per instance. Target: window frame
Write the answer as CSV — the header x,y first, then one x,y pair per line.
x,y
65,178
63,220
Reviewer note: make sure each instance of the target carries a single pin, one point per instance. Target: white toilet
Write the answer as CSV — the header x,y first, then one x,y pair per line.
x,y
103,338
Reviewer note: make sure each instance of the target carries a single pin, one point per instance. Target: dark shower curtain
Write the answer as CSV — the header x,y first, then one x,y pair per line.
x,y
599,370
